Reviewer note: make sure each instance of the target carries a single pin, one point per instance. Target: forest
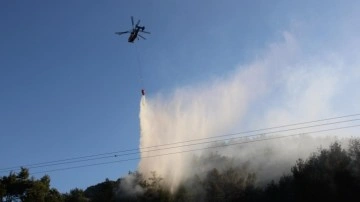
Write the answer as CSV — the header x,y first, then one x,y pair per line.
x,y
328,174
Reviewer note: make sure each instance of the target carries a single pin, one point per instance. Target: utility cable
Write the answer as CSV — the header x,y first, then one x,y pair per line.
x,y
98,156
193,144
192,150
186,145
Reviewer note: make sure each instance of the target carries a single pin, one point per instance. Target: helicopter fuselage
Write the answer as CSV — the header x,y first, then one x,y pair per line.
x,y
133,36
134,33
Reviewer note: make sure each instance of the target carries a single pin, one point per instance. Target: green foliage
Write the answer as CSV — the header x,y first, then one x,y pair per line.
x,y
181,194
328,175
154,191
232,184
323,175
19,187
331,174
104,191
54,196
354,154
37,192
75,195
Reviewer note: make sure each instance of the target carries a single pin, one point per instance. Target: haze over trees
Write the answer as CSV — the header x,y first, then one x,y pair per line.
x,y
329,174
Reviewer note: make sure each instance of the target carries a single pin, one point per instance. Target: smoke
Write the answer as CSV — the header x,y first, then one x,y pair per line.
x,y
130,186
283,86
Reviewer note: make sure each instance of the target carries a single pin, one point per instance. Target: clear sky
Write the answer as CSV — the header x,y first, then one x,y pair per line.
x,y
70,87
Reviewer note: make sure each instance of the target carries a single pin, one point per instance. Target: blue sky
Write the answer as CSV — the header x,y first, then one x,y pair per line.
x,y
70,87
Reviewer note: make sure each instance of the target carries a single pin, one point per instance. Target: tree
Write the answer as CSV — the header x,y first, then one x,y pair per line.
x,y
15,185
232,184
323,175
75,195
19,187
181,194
104,191
54,196
213,186
38,190
154,191
354,153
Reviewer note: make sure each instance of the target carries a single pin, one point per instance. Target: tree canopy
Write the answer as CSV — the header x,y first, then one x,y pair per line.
x,y
331,174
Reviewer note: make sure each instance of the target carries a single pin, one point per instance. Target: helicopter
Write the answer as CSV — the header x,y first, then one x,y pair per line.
x,y
134,32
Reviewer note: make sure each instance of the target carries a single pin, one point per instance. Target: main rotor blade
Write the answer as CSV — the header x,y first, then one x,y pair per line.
x,y
138,22
141,36
132,21
145,32
120,33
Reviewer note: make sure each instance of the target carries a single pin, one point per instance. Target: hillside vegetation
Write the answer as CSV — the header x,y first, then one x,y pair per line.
x,y
329,174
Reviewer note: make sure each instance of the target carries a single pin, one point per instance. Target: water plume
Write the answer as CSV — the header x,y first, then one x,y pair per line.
x,y
281,87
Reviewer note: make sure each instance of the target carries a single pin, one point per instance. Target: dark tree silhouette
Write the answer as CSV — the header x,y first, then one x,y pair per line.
x,y
331,174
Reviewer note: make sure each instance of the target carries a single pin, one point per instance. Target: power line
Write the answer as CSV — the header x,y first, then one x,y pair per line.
x,y
126,154
192,150
158,149
177,146
193,144
97,156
